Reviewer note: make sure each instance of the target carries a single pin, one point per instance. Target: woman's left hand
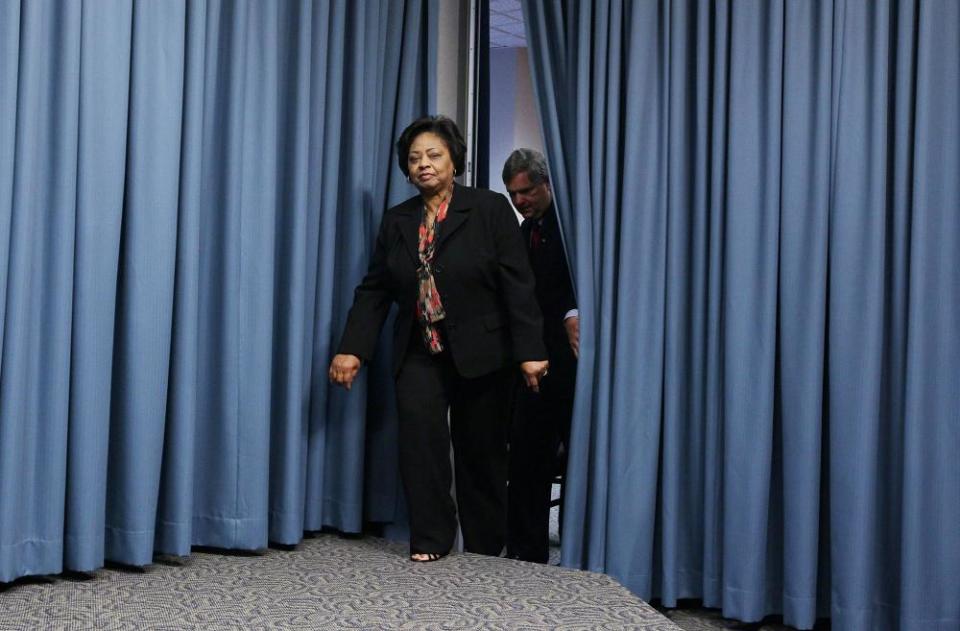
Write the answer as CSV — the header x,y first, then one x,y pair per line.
x,y
533,372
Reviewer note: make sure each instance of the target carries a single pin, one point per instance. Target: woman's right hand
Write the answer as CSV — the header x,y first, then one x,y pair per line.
x,y
343,369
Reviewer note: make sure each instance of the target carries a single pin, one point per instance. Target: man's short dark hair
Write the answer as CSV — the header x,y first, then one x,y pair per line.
x,y
443,127
529,161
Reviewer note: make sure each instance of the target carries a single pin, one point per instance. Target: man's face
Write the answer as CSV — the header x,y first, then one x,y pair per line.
x,y
530,200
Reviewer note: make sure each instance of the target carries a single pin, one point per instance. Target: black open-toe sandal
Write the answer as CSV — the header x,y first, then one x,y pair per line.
x,y
430,556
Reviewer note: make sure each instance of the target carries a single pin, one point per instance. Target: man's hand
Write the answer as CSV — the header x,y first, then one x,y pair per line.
x,y
533,372
343,369
572,325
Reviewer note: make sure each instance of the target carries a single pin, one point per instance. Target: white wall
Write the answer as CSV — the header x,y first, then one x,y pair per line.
x,y
514,121
503,105
452,37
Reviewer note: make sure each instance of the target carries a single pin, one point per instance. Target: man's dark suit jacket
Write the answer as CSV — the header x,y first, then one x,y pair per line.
x,y
554,287
483,276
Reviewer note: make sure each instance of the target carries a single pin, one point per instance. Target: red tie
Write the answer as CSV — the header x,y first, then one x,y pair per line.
x,y
535,235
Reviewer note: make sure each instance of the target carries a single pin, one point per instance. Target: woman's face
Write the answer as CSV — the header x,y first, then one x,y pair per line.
x,y
430,164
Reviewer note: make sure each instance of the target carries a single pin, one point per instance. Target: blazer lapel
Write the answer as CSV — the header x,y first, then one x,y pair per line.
x,y
457,214
409,221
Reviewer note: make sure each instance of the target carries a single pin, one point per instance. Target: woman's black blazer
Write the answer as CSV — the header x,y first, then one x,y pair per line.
x,y
482,272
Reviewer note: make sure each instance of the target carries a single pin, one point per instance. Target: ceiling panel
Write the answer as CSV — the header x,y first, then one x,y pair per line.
x,y
506,24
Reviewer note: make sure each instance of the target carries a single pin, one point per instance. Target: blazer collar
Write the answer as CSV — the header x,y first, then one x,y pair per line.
x,y
410,224
457,214
463,199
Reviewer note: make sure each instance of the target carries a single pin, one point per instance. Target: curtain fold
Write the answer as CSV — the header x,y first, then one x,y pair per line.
x,y
760,202
188,194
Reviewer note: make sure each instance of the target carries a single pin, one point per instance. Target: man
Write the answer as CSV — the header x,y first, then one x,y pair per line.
x,y
542,421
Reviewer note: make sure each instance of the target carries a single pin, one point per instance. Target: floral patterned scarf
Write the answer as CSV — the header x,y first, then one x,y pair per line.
x,y
429,308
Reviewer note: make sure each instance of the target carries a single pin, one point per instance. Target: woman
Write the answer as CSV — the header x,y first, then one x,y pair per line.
x,y
453,259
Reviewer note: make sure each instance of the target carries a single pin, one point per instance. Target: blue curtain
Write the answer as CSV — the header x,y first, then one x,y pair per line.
x,y
762,206
188,194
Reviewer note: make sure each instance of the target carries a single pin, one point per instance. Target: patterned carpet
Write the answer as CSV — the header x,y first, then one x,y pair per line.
x,y
690,615
329,582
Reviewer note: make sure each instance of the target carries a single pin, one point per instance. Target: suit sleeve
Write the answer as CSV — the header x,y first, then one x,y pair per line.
x,y
570,298
566,297
517,286
371,304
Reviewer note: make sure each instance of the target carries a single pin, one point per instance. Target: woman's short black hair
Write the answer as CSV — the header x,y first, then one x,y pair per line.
x,y
441,126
